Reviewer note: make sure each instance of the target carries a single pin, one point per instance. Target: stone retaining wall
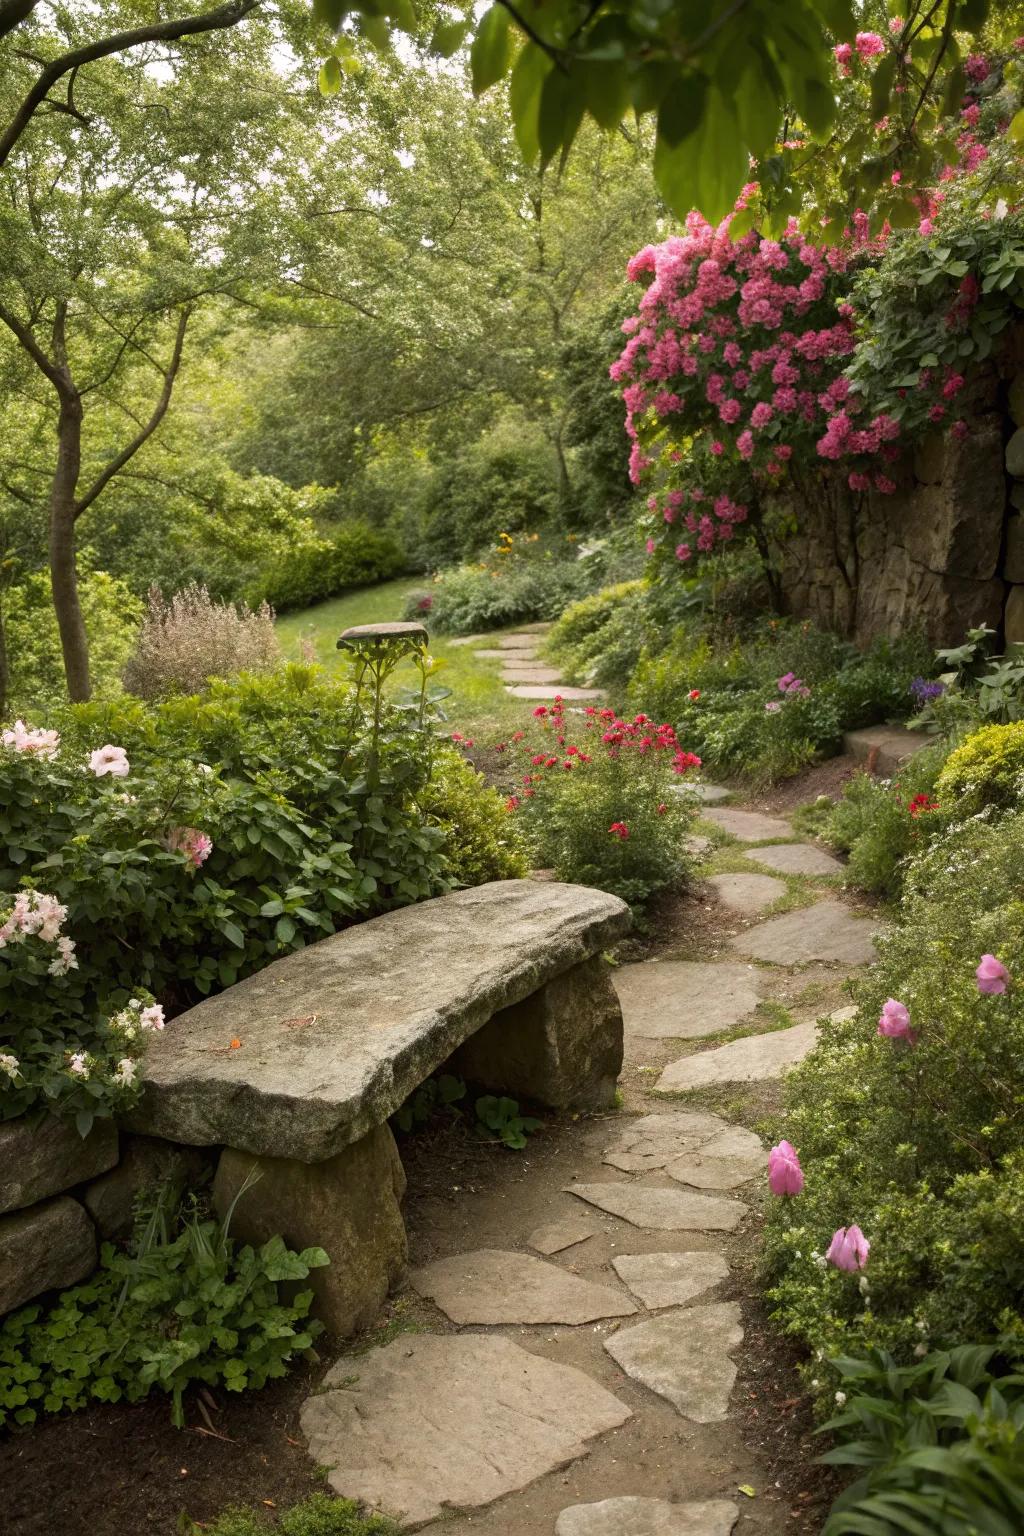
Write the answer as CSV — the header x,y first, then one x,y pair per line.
x,y
60,1196
946,552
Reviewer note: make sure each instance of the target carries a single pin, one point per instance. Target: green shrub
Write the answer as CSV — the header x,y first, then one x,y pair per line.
x,y
473,598
722,690
184,1305
355,555
112,616
506,481
311,824
939,1445
879,824
319,1515
605,809
599,639
482,840
986,769
921,1143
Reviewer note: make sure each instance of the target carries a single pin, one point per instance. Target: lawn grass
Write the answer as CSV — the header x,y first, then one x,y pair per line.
x,y
479,706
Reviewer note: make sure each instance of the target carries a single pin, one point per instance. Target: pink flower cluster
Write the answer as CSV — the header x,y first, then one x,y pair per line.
x,y
195,845
22,738
849,1247
34,914
739,344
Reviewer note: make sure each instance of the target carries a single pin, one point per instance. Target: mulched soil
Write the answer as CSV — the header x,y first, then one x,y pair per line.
x,y
126,1471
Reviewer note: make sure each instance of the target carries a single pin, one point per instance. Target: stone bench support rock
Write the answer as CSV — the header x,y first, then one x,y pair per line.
x,y
503,983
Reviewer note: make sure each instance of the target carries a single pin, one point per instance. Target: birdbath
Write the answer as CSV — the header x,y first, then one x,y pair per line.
x,y
377,649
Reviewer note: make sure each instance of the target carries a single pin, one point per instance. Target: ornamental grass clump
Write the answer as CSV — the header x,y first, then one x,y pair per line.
x,y
602,801
186,640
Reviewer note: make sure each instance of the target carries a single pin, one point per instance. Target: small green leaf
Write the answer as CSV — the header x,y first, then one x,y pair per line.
x,y
491,53
330,76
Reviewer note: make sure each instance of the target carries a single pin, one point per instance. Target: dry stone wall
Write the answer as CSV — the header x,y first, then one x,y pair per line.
x,y
944,553
60,1196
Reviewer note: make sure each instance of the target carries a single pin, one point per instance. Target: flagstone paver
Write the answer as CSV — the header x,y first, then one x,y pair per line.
x,y
523,641
683,999
555,1236
709,794
639,1516
796,859
653,1141
747,894
752,1059
827,931
684,1356
657,1209
670,1279
552,691
435,1422
530,675
493,1286
748,826
526,655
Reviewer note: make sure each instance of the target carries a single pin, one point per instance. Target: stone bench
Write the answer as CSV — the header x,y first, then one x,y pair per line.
x,y
295,1071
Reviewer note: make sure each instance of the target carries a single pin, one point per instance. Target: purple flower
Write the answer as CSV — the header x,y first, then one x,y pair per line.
x,y
925,692
894,1022
785,1176
993,977
848,1249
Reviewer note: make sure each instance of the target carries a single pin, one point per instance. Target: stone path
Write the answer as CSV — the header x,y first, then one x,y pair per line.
x,y
525,674
577,1377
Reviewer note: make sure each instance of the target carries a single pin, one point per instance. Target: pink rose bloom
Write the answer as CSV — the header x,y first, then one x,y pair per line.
x,y
993,977
112,760
926,227
977,68
848,1249
785,1176
869,45
894,1021
762,414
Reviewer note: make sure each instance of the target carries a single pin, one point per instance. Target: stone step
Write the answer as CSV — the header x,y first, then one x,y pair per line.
x,y
684,1356
883,749
684,999
748,826
635,1515
657,1209
747,895
754,1059
548,692
671,1279
828,931
492,1286
795,859
433,1423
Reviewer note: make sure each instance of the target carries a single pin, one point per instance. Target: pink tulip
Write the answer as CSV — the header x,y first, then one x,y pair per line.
x,y
895,1022
992,975
785,1176
848,1249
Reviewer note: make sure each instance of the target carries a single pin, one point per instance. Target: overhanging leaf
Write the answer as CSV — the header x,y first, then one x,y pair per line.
x,y
491,53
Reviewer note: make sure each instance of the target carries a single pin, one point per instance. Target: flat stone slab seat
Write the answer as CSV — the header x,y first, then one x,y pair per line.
x,y
684,999
505,982
439,1422
494,1286
635,1515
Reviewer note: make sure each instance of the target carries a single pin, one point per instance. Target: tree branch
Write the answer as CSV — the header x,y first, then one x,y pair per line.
x,y
128,452
13,13
32,347
223,16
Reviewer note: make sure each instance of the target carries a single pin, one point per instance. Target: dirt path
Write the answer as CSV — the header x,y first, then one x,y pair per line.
x,y
566,1351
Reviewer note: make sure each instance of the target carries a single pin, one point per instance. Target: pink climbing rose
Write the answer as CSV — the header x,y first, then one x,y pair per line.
x,y
785,1176
894,1022
848,1249
993,977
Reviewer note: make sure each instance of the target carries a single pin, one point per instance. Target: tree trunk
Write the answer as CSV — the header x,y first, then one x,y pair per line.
x,y
5,675
63,570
